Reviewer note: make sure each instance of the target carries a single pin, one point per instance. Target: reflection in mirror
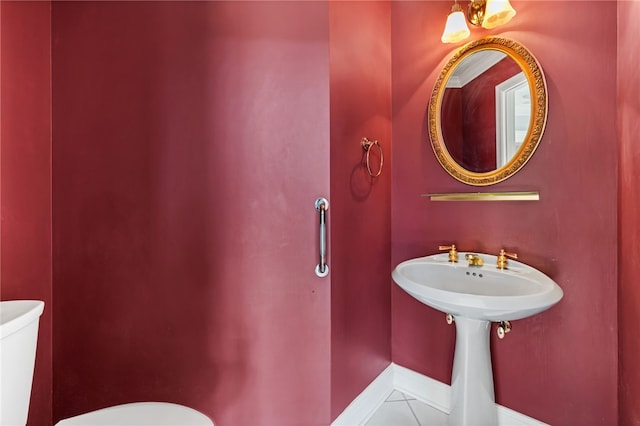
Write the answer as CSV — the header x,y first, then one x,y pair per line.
x,y
487,111
471,111
513,116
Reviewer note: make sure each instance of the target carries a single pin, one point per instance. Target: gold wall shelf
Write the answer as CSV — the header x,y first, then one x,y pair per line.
x,y
485,196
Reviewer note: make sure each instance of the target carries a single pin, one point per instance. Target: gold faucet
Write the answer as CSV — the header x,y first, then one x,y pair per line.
x,y
502,261
474,259
453,253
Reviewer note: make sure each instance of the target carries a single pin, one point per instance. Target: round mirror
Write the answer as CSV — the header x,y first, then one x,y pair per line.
x,y
488,111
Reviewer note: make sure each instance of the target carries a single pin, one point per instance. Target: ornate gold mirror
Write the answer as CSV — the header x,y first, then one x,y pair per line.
x,y
487,111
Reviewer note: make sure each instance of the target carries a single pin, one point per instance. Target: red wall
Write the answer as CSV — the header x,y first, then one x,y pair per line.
x,y
25,175
360,94
167,163
559,366
191,141
452,126
629,211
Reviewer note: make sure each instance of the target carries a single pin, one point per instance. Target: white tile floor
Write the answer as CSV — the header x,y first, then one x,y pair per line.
x,y
404,410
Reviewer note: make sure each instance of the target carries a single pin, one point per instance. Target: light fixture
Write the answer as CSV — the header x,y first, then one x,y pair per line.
x,y
456,28
486,13
496,13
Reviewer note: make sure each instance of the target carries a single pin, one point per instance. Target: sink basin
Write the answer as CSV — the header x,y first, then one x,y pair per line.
x,y
476,296
483,293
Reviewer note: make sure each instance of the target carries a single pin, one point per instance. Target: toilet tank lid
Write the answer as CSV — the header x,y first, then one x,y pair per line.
x,y
16,314
140,414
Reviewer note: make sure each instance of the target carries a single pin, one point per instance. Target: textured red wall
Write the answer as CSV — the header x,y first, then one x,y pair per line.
x,y
191,141
131,171
559,366
25,176
629,211
452,126
360,95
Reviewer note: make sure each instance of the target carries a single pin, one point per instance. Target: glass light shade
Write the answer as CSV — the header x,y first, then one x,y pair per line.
x,y
456,28
497,12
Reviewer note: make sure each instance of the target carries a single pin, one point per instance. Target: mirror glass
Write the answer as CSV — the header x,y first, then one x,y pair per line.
x,y
487,111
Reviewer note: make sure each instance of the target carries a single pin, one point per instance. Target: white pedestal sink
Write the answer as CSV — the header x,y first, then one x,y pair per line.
x,y
476,296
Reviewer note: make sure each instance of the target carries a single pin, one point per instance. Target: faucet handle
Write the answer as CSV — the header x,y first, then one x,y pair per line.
x,y
502,261
453,253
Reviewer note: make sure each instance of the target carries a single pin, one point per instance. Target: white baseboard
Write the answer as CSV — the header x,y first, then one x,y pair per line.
x,y
365,404
421,387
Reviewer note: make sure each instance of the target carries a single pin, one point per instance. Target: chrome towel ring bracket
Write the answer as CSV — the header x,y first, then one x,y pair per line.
x,y
367,145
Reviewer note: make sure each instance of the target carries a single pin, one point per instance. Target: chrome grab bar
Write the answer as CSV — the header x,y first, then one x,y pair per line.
x,y
322,269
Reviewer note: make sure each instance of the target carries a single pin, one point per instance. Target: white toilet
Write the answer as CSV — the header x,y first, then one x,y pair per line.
x,y
140,414
18,337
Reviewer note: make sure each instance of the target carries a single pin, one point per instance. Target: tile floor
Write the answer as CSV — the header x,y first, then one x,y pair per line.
x,y
404,410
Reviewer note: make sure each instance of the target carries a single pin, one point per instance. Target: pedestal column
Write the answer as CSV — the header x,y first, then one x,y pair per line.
x,y
472,397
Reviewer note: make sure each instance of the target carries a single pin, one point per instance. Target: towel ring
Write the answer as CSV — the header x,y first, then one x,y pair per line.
x,y
366,145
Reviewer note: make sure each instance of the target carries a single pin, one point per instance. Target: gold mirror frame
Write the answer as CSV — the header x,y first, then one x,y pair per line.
x,y
539,106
